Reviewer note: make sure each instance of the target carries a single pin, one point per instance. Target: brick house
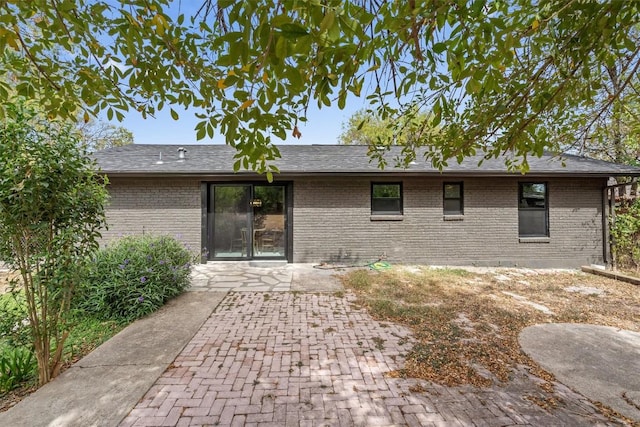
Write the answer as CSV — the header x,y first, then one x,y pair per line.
x,y
330,203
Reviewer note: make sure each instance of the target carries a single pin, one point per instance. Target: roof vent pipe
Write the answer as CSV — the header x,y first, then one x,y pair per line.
x,y
181,153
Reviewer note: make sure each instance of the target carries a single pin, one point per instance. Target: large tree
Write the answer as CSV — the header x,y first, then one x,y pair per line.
x,y
408,131
613,133
367,128
98,134
498,75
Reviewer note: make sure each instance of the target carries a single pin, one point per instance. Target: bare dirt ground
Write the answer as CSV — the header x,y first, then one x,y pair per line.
x,y
466,324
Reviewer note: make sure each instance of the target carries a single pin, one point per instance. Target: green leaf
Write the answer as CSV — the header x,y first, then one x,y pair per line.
x,y
281,48
473,85
328,21
293,30
342,99
439,47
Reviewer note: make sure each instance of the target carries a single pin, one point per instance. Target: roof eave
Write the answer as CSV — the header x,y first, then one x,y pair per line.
x,y
306,174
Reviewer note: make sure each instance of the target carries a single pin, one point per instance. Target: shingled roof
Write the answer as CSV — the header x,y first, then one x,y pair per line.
x,y
218,160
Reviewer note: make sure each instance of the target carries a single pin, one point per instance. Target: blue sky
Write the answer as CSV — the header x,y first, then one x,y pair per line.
x,y
323,126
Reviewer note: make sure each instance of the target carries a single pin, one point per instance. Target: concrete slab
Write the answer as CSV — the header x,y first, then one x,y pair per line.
x,y
600,362
103,387
308,278
266,276
240,275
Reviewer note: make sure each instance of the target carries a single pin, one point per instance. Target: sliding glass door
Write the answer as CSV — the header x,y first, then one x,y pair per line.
x,y
269,217
231,221
247,221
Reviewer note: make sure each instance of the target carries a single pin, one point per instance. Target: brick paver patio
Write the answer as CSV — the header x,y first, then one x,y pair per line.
x,y
308,359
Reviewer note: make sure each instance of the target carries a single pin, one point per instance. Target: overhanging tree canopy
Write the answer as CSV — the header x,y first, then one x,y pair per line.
x,y
501,76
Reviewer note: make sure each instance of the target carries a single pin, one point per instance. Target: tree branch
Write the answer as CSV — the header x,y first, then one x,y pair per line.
x,y
616,94
33,60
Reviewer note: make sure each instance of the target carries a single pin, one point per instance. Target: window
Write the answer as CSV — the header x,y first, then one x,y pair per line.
x,y
453,198
386,199
533,209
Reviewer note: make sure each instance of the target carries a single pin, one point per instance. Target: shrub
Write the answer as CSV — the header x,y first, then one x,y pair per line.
x,y
134,277
625,235
17,365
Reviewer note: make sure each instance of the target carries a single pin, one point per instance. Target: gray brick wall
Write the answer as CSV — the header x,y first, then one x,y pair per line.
x,y
160,206
332,222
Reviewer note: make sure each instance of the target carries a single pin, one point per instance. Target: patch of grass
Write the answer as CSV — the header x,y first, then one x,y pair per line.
x,y
359,279
89,333
448,272
466,327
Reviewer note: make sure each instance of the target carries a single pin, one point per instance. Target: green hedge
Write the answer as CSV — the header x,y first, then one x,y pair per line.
x,y
134,276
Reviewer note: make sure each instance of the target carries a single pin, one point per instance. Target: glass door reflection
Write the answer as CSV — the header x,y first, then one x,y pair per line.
x,y
269,225
231,221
